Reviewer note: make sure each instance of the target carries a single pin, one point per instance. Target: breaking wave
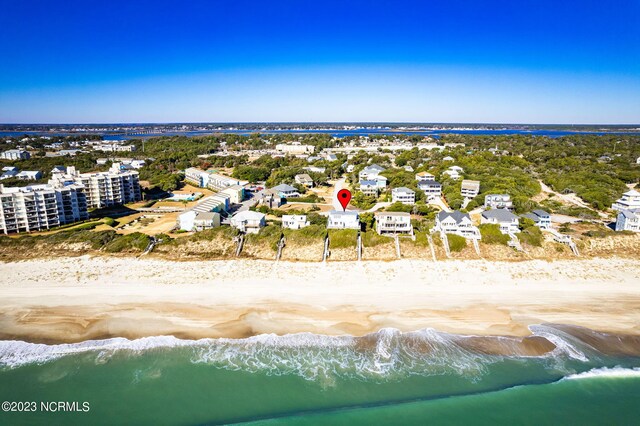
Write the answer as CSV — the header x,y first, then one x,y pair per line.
x,y
386,354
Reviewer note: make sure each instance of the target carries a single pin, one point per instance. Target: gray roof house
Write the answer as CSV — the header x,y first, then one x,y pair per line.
x,y
286,190
507,221
541,218
457,223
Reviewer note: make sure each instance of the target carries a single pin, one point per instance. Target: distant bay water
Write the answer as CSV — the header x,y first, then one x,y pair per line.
x,y
337,133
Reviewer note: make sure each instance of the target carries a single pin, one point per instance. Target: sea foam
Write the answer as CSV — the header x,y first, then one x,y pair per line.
x,y
604,372
384,355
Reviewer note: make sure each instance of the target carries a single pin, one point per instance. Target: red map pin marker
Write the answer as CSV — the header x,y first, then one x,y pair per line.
x,y
344,196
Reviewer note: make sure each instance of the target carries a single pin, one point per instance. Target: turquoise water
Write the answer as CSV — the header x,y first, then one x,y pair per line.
x,y
422,377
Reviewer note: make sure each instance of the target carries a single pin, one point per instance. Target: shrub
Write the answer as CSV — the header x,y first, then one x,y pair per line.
x,y
109,221
491,234
342,238
372,239
399,207
532,236
136,241
456,242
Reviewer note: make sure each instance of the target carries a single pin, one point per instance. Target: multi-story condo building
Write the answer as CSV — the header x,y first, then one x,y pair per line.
x,y
37,207
103,189
295,148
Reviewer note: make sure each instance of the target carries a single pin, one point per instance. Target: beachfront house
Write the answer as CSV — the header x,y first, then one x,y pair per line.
x,y
630,200
369,188
294,221
393,223
304,179
457,223
198,221
343,220
431,188
470,188
498,201
403,195
15,154
628,220
286,191
248,221
424,176
507,221
541,218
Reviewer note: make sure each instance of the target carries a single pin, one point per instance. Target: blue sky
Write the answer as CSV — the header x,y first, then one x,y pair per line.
x,y
510,61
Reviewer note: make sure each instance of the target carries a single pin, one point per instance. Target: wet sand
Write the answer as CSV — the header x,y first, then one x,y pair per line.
x,y
76,299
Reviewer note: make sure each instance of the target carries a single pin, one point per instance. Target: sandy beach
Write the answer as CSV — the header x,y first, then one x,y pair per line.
x,y
75,299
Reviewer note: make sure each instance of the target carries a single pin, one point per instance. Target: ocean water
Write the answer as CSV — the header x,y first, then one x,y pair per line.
x,y
422,377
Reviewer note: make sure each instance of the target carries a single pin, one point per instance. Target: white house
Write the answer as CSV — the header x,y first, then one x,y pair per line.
x,y
630,200
457,223
454,172
286,191
507,221
370,172
15,154
343,220
294,221
541,218
248,221
393,223
431,188
369,187
29,175
304,179
403,195
638,160
197,221
628,220
422,176
470,188
8,172
498,201
448,158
